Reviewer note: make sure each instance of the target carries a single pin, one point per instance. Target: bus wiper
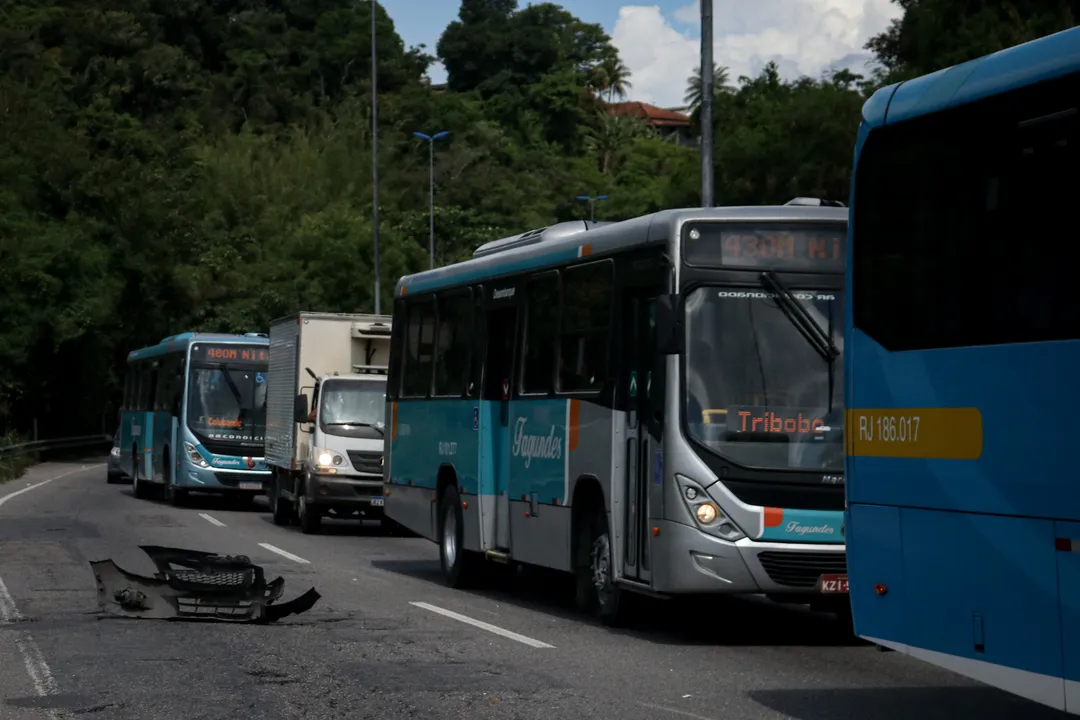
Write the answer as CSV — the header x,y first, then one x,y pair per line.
x,y
800,318
231,383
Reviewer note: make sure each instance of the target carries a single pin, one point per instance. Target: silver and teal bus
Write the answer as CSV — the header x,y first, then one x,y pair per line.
x,y
193,416
653,405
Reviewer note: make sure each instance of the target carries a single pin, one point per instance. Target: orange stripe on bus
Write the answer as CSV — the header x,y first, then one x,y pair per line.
x,y
575,417
774,517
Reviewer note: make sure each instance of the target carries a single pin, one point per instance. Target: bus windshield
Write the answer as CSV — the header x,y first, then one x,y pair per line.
x,y
227,403
353,403
757,390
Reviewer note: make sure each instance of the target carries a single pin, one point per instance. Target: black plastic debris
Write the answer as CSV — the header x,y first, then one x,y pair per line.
x,y
195,585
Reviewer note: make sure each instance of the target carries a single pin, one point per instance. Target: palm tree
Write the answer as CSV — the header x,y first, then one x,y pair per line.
x,y
617,77
693,87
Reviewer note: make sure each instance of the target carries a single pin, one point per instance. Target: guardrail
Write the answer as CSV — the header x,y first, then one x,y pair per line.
x,y
67,443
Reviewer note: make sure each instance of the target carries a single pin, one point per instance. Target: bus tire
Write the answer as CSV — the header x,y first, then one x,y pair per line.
x,y
604,598
459,565
280,508
139,488
177,497
310,518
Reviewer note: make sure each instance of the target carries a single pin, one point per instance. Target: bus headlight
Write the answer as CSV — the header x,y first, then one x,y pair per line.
x,y
195,456
327,461
706,513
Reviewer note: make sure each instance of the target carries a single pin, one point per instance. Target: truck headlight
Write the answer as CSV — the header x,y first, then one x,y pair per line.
x,y
327,461
706,513
195,456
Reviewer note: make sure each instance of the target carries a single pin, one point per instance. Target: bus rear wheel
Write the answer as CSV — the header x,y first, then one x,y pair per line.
x,y
459,565
138,487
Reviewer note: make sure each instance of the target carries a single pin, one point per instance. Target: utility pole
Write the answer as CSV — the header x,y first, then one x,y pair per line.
x,y
707,94
375,158
431,188
592,204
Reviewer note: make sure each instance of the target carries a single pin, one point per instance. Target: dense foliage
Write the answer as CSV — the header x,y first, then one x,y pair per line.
x,y
188,164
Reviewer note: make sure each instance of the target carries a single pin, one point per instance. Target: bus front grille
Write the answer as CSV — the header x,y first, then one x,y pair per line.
x,y
801,570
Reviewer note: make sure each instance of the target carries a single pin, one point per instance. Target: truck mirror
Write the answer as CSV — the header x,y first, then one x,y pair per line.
x,y
300,409
669,335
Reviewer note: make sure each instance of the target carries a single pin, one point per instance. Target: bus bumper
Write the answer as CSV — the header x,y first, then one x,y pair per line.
x,y
701,563
224,481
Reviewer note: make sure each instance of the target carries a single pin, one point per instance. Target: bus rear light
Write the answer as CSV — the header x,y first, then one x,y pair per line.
x,y
881,589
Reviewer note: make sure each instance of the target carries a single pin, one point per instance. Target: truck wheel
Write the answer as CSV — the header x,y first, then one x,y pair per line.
x,y
460,566
310,517
281,508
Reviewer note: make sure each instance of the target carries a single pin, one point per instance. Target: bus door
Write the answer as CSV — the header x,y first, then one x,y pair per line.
x,y
500,329
641,392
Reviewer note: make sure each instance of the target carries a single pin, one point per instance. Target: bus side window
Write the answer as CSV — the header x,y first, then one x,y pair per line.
x,y
453,343
584,342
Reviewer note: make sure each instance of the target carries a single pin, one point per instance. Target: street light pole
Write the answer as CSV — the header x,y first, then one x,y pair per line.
x,y
375,159
431,189
592,204
707,103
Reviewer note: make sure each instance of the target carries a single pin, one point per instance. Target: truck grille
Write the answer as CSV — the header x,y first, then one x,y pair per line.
x,y
369,463
801,570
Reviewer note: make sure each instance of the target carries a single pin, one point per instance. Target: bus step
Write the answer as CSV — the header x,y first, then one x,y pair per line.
x,y
640,587
499,556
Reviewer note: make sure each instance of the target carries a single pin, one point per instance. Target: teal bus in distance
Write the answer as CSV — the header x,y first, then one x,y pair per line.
x,y
962,371
193,416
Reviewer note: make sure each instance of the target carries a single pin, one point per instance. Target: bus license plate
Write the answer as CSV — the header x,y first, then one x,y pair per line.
x,y
251,486
833,584
376,502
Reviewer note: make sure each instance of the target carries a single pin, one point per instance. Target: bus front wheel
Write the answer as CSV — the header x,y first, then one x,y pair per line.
x,y
596,589
459,565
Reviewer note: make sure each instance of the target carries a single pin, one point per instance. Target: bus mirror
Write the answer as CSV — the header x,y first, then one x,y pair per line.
x,y
300,409
668,328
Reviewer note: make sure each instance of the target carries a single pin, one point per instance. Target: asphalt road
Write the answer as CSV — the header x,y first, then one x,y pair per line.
x,y
369,650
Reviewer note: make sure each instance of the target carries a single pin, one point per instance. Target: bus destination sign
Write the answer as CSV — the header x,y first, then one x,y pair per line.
x,y
798,247
205,352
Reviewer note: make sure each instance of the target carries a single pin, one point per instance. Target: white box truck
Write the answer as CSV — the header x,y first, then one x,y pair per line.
x,y
325,408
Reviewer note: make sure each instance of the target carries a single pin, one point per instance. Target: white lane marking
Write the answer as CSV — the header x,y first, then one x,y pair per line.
x,y
28,488
33,659
673,711
482,625
284,553
211,519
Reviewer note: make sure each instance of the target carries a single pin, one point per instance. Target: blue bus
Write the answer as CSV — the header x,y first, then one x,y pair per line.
x,y
962,371
193,416
654,406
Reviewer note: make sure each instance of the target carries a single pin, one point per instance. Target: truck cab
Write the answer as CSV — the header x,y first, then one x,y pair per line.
x,y
325,417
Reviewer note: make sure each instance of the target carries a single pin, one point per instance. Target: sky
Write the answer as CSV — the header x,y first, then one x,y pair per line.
x,y
660,42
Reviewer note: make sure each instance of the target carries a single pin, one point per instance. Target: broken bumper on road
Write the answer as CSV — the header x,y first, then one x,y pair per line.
x,y
191,584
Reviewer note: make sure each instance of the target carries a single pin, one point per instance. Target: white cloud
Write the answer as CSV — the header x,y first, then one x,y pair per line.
x,y
804,37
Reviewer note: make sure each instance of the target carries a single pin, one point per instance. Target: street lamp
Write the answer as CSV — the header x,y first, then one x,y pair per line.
x,y
375,159
592,204
431,188
707,103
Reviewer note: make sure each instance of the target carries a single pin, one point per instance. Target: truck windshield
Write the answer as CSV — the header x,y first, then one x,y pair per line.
x,y
227,403
757,391
345,403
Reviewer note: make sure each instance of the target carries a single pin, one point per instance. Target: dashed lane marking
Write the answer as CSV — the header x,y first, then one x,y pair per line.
x,y
284,553
482,625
